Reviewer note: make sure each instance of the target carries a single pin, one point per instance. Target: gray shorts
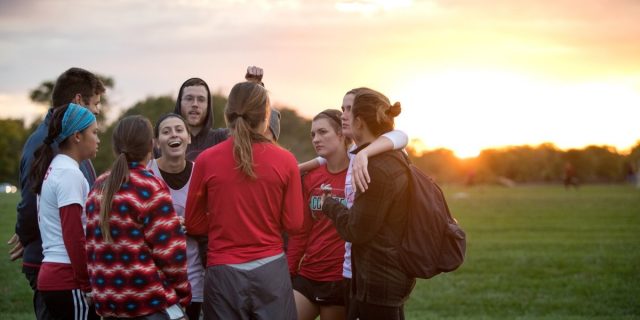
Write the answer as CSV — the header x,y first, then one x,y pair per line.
x,y
261,293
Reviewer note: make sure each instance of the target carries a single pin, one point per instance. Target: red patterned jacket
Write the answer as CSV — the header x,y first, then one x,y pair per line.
x,y
144,269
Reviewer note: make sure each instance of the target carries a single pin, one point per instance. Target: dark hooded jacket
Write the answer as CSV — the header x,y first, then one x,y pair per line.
x,y
207,137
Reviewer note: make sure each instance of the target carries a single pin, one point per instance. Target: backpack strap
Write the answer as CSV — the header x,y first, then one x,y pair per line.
x,y
403,158
406,161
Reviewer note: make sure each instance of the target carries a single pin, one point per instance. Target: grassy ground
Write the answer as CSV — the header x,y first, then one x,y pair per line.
x,y
540,252
15,293
534,252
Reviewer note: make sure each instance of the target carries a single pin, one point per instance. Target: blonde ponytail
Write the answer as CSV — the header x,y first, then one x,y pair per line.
x,y
245,112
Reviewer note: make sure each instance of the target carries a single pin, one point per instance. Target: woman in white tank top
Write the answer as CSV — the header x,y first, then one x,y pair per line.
x,y
171,139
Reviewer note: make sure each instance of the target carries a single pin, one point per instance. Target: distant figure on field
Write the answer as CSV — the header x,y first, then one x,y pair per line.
x,y
570,176
471,178
629,173
638,174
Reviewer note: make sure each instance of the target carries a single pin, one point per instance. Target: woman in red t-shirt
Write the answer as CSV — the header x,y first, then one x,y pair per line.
x,y
316,255
244,192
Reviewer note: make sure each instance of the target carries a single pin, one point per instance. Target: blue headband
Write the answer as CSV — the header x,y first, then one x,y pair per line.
x,y
75,119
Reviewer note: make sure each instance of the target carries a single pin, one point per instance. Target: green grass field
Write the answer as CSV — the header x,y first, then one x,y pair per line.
x,y
534,252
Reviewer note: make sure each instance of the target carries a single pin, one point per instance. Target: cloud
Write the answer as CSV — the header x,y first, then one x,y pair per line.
x,y
369,7
17,106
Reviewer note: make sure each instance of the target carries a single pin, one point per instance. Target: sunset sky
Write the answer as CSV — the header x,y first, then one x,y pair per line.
x,y
469,74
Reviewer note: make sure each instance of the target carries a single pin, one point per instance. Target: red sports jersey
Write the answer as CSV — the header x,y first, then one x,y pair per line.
x,y
318,252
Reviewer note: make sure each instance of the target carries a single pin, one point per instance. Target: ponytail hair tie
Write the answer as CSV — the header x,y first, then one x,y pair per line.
x,y
393,110
234,115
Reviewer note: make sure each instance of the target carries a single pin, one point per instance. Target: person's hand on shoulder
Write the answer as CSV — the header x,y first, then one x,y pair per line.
x,y
359,172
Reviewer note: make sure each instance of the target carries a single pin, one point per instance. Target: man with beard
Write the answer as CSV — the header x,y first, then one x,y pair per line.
x,y
195,106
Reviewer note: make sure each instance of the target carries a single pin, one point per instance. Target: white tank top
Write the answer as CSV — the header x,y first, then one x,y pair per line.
x,y
195,270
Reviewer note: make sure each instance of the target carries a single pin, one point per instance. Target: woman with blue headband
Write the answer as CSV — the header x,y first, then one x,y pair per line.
x,y
62,191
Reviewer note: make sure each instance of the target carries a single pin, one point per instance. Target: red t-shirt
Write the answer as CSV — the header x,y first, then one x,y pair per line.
x,y
244,218
318,252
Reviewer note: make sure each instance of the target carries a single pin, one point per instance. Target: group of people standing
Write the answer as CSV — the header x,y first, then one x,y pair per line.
x,y
191,221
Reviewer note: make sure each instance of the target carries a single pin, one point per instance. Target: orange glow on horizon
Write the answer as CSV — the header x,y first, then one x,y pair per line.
x,y
468,111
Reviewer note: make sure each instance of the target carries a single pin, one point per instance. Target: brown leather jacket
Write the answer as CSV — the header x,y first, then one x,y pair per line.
x,y
374,225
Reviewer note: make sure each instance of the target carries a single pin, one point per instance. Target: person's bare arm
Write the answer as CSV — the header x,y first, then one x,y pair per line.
x,y
393,140
311,164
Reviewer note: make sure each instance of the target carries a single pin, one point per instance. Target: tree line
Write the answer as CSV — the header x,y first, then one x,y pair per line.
x,y
544,163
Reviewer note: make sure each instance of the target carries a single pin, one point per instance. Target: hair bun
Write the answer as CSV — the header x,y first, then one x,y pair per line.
x,y
394,110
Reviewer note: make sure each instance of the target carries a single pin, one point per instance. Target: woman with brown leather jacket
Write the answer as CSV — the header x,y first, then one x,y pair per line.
x,y
376,221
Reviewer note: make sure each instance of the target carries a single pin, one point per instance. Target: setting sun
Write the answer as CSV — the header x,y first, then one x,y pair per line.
x,y
467,111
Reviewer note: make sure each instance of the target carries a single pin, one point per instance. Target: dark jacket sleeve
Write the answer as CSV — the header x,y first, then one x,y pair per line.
x,y
367,215
27,211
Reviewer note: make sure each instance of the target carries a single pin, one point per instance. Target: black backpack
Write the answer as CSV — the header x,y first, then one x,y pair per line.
x,y
433,242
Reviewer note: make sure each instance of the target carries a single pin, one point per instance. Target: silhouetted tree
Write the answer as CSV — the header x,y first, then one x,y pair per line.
x,y
295,134
12,138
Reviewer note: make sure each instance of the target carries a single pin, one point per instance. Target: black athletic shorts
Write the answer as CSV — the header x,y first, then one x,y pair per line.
x,y
325,293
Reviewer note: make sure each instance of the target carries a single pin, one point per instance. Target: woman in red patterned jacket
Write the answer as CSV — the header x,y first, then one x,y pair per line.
x,y
136,247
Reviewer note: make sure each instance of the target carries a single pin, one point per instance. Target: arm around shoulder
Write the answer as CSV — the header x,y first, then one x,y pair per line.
x,y
363,220
393,140
311,164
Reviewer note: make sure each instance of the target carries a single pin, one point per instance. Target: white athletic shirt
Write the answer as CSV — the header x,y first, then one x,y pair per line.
x,y
195,270
399,139
64,184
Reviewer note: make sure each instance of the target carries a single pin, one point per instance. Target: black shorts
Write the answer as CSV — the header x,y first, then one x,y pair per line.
x,y
324,293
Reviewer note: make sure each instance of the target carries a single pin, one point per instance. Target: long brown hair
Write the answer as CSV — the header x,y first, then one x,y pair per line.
x,y
132,142
246,110
43,156
375,110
